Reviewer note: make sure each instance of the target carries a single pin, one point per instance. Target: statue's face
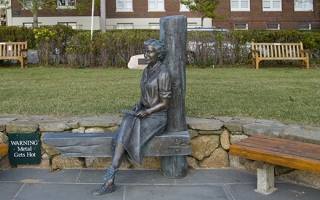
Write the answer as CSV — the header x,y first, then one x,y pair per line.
x,y
150,54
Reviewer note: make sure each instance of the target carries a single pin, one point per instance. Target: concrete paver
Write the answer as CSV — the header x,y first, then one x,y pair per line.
x,y
77,184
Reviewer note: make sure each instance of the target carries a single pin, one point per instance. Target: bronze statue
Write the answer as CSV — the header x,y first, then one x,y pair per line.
x,y
148,117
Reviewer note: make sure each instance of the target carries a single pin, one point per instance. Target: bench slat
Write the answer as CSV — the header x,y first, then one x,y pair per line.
x,y
276,158
310,149
281,150
101,144
282,157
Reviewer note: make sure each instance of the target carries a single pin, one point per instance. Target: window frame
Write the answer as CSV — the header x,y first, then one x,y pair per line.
x,y
125,26
304,8
271,24
272,8
239,8
307,24
245,24
156,9
184,8
66,6
124,9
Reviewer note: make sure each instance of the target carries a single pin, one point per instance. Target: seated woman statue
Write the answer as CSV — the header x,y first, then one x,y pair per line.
x,y
148,117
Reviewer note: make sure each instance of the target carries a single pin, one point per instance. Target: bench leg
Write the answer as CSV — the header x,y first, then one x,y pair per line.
x,y
174,166
265,179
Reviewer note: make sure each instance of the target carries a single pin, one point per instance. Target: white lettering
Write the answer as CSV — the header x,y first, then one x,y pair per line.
x,y
19,155
25,143
29,154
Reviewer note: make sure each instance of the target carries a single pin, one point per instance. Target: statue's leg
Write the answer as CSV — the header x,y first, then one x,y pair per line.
x,y
116,162
109,186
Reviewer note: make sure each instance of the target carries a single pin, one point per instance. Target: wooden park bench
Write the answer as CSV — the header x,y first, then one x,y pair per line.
x,y
14,51
270,151
279,51
3,149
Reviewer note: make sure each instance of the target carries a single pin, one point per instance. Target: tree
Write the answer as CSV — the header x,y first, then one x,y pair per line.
x,y
206,8
35,5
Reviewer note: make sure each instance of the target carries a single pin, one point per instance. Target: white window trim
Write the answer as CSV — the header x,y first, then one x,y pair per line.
x,y
124,9
308,24
66,7
239,6
272,7
246,24
304,8
157,10
272,28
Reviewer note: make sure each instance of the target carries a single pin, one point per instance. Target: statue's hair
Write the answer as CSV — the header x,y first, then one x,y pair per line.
x,y
158,46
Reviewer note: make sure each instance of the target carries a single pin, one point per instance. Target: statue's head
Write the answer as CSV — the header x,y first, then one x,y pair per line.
x,y
158,46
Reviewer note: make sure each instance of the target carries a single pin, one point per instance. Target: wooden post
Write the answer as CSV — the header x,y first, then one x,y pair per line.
x,y
173,32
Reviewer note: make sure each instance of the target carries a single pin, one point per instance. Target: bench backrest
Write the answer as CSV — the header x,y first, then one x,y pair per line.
x,y
12,49
277,50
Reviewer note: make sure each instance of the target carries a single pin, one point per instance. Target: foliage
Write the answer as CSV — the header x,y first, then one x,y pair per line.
x,y
206,8
52,41
17,34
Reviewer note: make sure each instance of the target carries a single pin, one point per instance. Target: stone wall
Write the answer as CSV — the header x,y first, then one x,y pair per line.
x,y
211,140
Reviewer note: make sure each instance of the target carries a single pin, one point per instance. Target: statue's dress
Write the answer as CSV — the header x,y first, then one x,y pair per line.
x,y
134,132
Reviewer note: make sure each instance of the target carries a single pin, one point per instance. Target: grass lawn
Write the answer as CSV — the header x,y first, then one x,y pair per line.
x,y
291,95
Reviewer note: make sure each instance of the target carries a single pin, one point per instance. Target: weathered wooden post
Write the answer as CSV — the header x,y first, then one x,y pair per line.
x,y
173,32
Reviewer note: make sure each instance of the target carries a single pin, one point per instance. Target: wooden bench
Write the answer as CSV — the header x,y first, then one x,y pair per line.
x,y
14,51
270,151
3,149
279,51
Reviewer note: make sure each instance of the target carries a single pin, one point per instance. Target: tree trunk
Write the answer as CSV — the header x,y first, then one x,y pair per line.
x,y
35,20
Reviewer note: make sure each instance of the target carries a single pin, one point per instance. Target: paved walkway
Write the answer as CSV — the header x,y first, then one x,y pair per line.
x,y
77,184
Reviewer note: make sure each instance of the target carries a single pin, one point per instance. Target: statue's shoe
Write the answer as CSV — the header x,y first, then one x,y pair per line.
x,y
110,174
104,189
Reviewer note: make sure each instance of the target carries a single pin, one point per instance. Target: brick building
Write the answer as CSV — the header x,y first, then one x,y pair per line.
x,y
145,14
269,14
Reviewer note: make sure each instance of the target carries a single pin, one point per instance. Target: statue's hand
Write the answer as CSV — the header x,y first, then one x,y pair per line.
x,y
136,107
142,113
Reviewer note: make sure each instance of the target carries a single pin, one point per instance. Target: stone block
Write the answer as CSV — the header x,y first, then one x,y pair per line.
x,y
265,179
218,159
203,146
302,133
137,62
22,126
204,124
224,140
63,162
237,123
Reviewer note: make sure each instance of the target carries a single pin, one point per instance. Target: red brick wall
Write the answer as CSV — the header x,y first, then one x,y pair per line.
x,y
257,19
16,6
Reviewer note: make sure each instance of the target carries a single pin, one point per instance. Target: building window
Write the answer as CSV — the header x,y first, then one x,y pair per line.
x,y
272,5
184,8
240,26
30,24
73,25
124,5
240,5
303,5
304,26
273,26
66,3
27,4
156,5
124,26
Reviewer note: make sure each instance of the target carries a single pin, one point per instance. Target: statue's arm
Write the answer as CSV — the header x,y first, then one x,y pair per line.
x,y
158,107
